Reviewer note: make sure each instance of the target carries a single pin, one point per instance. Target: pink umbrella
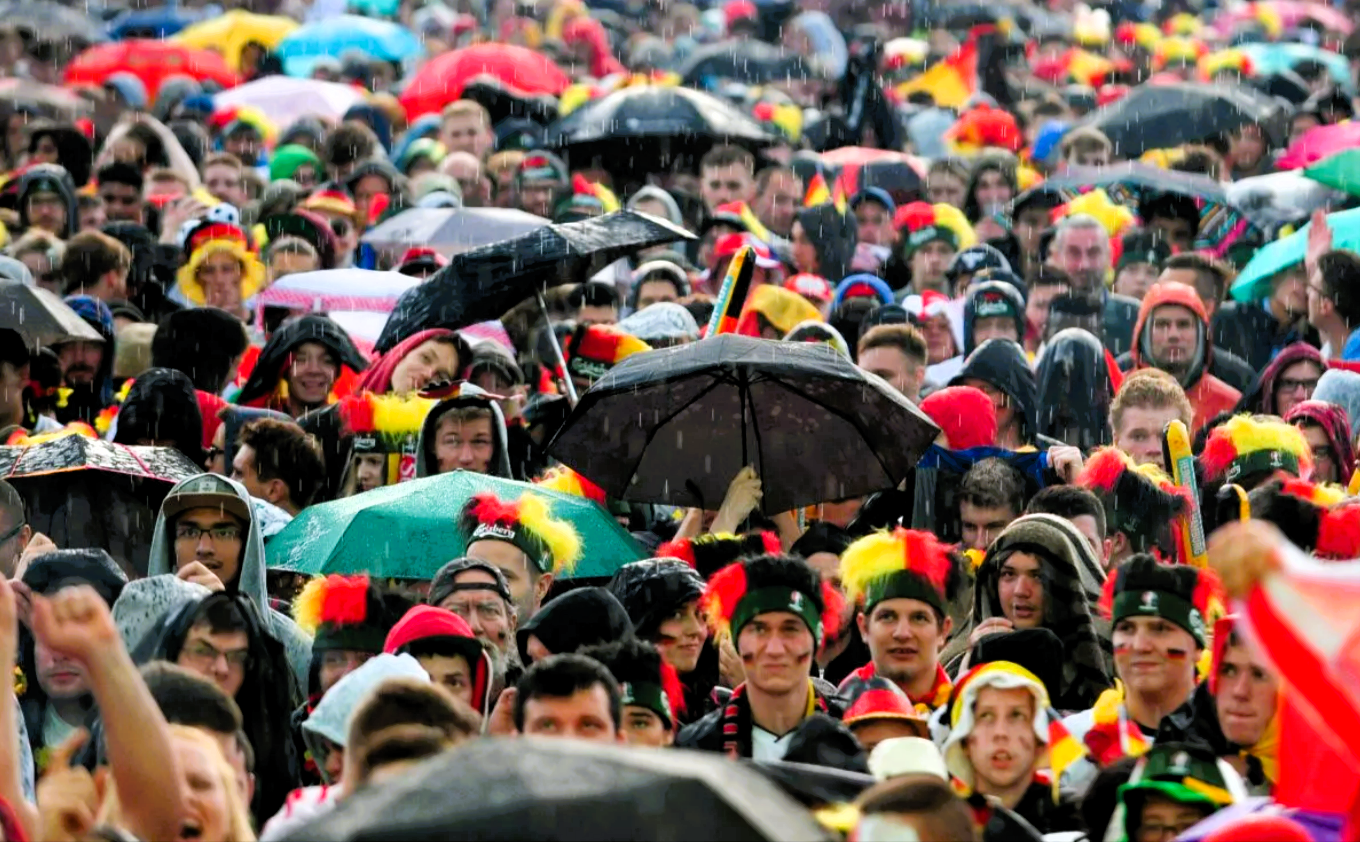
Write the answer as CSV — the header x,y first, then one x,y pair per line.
x,y
1318,143
1291,13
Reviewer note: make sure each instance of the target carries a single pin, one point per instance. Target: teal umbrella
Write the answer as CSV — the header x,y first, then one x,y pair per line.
x,y
1339,172
1253,284
409,530
1271,58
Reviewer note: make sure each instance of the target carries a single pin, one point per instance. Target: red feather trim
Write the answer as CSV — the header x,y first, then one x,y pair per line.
x,y
345,602
832,612
771,543
675,691
488,508
1339,534
356,413
1208,588
1106,604
1219,453
592,491
1302,489
681,548
1103,470
925,555
725,589
1179,493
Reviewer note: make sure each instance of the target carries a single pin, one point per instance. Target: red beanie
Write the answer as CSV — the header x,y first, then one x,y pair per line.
x,y
424,621
1260,827
965,414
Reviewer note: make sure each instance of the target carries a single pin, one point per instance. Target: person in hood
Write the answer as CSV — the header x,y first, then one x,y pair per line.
x,y
47,201
998,367
448,651
993,310
222,638
1040,572
824,240
1290,379
464,432
206,533
299,366
87,367
1327,429
1077,383
161,409
64,145
1172,334
430,356
582,617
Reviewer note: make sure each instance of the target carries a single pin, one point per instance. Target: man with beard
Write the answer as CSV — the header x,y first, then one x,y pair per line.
x,y
87,365
478,592
521,538
1081,248
1172,334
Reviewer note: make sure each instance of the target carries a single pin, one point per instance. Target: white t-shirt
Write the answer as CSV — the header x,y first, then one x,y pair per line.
x,y
766,746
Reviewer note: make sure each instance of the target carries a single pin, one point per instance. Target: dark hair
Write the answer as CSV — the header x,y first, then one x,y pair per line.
x,y
1050,276
726,155
12,507
243,742
943,815
407,701
1341,284
593,294
1067,502
221,616
1171,206
201,342
821,537
349,143
563,676
284,451
993,483
1203,265
88,257
903,337
189,699
121,172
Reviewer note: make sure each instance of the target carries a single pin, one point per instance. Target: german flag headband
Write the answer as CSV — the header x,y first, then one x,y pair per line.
x,y
1243,447
552,545
901,564
1137,502
732,600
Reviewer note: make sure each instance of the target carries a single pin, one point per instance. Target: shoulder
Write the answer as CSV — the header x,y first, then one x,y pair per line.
x,y
702,733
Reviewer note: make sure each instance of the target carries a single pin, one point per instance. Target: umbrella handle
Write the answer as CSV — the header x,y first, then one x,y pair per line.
x,y
561,359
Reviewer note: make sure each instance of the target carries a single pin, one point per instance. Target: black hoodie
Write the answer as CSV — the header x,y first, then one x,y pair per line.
x,y
162,405
264,378
52,178
834,235
1075,390
577,618
1002,363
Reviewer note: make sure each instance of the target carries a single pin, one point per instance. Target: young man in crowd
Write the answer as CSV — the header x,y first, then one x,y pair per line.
x,y
523,541
991,495
727,174
1147,401
569,696
897,353
278,462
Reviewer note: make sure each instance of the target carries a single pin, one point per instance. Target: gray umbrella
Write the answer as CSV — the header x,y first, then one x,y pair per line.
x,y
40,317
452,231
49,21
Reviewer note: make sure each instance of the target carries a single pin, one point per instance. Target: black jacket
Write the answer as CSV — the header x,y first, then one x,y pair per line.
x,y
706,734
1002,363
1120,317
1074,390
1250,331
577,618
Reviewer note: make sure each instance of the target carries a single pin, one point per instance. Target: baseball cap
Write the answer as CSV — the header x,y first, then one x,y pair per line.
x,y
205,491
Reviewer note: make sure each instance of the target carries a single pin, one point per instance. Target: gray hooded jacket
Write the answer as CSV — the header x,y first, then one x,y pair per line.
x,y
470,396
250,581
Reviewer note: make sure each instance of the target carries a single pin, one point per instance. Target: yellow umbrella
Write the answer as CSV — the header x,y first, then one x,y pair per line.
x,y
229,33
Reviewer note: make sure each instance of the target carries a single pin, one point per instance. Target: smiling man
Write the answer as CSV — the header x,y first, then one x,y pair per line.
x,y
1247,699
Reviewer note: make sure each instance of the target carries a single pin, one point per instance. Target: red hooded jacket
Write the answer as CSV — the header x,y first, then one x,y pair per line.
x,y
1208,395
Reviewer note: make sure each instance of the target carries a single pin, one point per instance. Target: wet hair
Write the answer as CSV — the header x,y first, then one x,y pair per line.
x,y
904,338
1149,388
121,172
1067,502
932,802
727,155
189,699
992,484
1203,266
1341,284
398,702
593,294
349,143
285,452
221,616
563,676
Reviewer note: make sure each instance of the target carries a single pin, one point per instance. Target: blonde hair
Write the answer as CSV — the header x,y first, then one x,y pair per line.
x,y
238,815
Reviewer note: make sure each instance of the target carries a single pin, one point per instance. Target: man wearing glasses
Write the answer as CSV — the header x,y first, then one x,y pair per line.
x,y
479,593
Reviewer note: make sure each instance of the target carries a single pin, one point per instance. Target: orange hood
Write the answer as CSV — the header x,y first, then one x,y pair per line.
x,y
1183,295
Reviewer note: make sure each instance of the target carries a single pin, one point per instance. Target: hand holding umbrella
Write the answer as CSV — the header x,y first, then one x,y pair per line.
x,y
743,497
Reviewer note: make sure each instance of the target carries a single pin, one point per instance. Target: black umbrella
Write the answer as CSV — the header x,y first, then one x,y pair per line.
x,y
538,788
652,128
1144,178
742,60
1164,116
484,283
675,426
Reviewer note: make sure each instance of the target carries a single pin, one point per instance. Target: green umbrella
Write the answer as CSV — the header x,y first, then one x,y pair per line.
x,y
409,530
1339,172
1253,284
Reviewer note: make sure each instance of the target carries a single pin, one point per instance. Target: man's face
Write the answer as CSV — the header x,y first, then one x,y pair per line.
x,y
525,582
939,338
654,292
220,277
484,610
780,200
14,537
366,190
370,471
597,315
1247,146
1002,747
1090,530
1175,335
1248,694
1155,656
730,183
982,525
776,648
311,374
536,197
992,189
1178,232
464,445
994,327
875,224
48,212
1324,463
1089,158
211,537
220,657
1295,384
243,470
245,145
904,638
1140,432
584,715
642,727
928,265
453,672
92,215
80,362
1021,589
895,367
945,189
224,182
59,677
465,133
1001,402
1040,299
1135,279
122,202
286,263
1083,253
338,663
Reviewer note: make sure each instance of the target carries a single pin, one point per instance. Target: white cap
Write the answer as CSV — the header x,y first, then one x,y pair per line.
x,y
906,756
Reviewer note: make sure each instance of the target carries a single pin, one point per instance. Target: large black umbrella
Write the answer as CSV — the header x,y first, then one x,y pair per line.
x,y
40,317
652,128
742,60
1145,179
1164,116
538,788
675,426
484,283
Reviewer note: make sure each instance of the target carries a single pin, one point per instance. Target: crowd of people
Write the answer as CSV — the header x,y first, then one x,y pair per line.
x,y
1027,635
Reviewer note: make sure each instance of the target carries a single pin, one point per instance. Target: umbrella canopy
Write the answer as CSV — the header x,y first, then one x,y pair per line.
x,y
1253,283
409,530
285,100
898,173
1340,171
338,289
675,426
442,79
230,33
59,101
1320,142
1291,13
650,127
1163,116
1269,58
155,23
148,60
1278,198
50,21
744,60
484,283
535,788
74,452
40,317
335,36
1145,177
452,230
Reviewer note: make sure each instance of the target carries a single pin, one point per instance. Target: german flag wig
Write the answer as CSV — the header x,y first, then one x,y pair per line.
x,y
741,591
551,544
901,564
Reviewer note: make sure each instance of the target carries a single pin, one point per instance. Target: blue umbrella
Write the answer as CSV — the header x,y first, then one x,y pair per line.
x,y
154,23
1272,58
338,35
1253,284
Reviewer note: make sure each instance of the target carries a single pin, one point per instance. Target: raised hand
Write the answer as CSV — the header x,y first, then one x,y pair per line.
x,y
76,622
68,797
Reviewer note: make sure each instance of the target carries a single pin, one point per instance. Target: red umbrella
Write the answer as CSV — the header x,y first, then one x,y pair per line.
x,y
148,60
443,78
1320,142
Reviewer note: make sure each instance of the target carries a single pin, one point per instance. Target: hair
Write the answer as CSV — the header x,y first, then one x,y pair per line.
x,y
593,294
1078,221
121,172
349,142
12,508
931,801
563,676
1150,388
389,713
1205,160
1084,139
290,245
954,167
38,240
1067,502
1204,265
89,256
1341,284
284,451
186,698
224,159
166,174
726,155
765,176
201,342
221,616
1171,206
991,484
464,414
904,338
1050,276
465,108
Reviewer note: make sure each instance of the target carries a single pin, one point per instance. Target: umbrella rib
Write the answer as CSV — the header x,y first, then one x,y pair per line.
x,y
843,415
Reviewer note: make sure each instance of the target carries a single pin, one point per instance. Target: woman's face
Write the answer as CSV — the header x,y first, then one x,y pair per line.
x,y
680,637
430,362
992,189
46,151
370,471
208,817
